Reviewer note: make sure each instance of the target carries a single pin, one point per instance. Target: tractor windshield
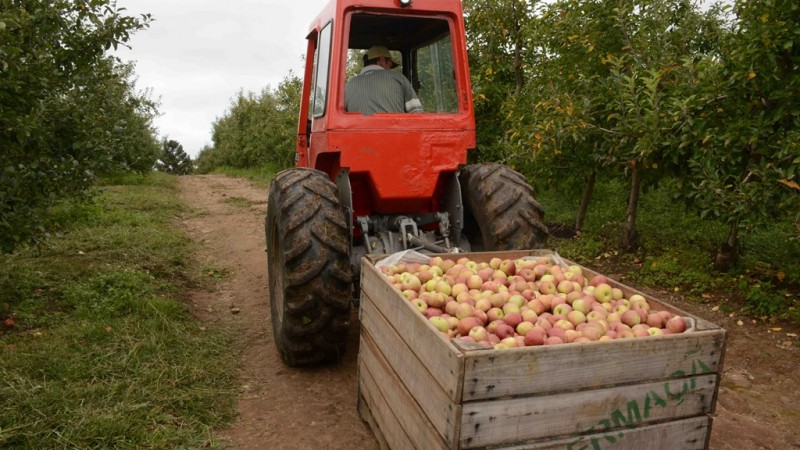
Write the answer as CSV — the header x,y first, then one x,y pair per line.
x,y
422,48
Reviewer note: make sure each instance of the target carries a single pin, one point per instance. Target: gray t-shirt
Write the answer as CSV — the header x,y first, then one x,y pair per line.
x,y
377,90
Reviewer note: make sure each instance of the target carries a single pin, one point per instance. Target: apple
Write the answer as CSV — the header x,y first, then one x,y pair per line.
x,y
583,304
440,323
603,292
653,331
432,312
565,287
504,330
508,342
598,280
513,319
494,263
576,317
547,287
536,306
536,336
468,323
592,331
409,294
474,282
523,327
562,309
479,333
483,304
464,310
517,300
420,304
452,322
450,307
676,324
527,274
529,315
631,318
553,340
508,267
564,324
435,299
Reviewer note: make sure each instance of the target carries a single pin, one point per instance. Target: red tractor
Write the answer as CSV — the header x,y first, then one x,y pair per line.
x,y
381,183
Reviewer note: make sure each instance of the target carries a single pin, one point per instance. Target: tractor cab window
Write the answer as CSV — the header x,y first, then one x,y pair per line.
x,y
322,57
421,46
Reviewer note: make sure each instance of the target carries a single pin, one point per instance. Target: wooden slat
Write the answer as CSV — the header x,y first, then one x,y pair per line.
x,y
535,370
443,360
436,405
406,414
366,416
687,434
505,421
375,410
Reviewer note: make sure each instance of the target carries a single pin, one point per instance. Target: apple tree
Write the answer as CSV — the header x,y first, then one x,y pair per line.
x,y
745,131
70,111
498,39
608,75
258,129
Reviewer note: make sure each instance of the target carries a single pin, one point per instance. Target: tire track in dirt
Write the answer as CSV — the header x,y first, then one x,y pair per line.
x,y
279,407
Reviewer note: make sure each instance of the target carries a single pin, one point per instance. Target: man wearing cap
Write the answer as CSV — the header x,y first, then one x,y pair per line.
x,y
378,89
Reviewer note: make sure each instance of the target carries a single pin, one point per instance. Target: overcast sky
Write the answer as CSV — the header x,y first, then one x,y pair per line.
x,y
198,54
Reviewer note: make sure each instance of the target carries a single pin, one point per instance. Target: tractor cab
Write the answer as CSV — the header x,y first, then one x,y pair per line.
x,y
395,163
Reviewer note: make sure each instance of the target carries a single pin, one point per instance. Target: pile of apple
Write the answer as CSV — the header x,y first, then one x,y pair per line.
x,y
525,302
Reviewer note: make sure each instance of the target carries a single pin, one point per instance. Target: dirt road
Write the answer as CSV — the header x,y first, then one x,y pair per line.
x,y
285,408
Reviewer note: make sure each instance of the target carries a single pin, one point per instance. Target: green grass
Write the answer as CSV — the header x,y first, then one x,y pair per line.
x,y
260,175
103,352
677,251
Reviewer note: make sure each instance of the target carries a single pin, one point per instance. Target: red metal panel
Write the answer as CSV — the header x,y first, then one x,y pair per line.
x,y
396,161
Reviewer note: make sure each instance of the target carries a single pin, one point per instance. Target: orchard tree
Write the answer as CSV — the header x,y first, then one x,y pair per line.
x,y
257,129
173,159
498,39
601,94
70,112
745,132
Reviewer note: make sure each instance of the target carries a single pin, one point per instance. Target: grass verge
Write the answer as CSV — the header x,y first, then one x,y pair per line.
x,y
102,353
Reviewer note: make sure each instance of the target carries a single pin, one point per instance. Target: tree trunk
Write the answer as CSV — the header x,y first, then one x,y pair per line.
x,y
587,196
630,237
728,251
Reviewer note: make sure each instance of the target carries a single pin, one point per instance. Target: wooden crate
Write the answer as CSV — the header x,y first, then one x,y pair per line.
x,y
420,390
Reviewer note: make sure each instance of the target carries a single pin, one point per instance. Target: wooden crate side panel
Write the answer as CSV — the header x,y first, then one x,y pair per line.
x,y
505,421
375,410
687,434
397,413
434,402
534,370
434,350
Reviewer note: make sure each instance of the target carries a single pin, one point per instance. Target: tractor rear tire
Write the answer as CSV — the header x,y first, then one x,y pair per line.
x,y
308,253
500,211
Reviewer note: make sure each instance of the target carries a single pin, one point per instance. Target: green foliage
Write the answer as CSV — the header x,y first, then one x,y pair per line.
x,y
103,353
256,130
678,93
70,112
677,251
744,130
498,41
173,159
